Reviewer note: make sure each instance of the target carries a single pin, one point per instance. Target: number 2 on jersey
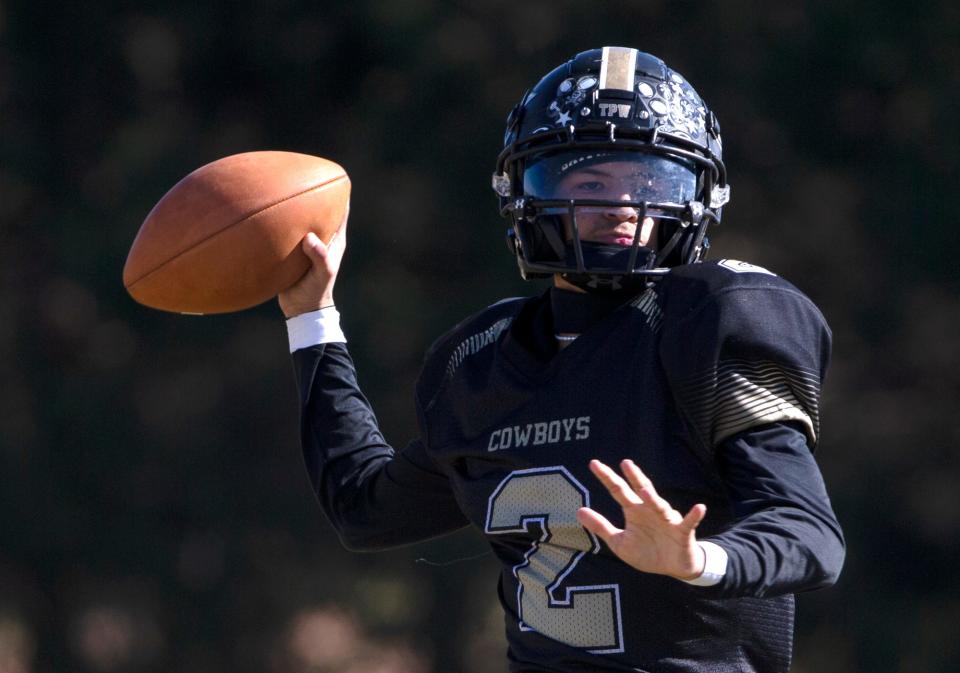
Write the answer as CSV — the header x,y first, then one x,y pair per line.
x,y
581,616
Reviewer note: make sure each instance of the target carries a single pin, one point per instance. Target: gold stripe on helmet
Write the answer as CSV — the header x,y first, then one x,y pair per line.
x,y
617,68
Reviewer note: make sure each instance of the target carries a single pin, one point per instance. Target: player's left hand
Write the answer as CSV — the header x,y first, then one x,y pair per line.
x,y
655,538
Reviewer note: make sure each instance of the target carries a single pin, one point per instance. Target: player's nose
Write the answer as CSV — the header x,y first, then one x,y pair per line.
x,y
622,213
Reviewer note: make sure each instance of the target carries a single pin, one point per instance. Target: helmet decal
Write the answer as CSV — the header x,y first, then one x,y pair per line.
x,y
683,110
570,95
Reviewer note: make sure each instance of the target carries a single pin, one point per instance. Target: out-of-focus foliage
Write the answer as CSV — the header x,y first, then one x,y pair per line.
x,y
154,514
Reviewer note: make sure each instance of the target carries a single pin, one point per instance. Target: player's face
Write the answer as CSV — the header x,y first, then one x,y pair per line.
x,y
613,225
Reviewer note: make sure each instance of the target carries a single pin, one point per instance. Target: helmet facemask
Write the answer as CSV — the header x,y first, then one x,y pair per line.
x,y
599,218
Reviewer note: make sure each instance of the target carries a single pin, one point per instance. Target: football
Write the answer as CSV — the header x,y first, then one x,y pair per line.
x,y
227,236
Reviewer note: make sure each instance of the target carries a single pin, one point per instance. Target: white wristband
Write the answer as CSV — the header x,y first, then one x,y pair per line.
x,y
315,327
714,565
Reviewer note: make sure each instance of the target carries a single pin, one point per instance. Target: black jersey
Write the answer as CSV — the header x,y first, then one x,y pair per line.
x,y
709,380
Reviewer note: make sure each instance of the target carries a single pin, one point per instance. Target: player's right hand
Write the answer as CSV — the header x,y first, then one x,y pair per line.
x,y
315,289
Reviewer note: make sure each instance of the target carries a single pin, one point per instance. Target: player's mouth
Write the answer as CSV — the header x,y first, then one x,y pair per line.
x,y
616,238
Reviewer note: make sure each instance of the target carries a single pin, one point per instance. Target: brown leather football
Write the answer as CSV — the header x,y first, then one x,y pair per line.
x,y
227,236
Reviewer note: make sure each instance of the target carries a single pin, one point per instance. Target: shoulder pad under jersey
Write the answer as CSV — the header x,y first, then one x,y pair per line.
x,y
742,347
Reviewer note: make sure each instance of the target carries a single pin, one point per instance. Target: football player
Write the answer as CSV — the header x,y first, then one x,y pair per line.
x,y
635,442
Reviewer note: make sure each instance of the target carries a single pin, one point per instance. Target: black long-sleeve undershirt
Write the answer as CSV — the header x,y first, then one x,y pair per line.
x,y
374,496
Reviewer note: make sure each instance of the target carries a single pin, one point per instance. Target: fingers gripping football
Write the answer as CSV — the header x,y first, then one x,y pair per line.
x,y
655,537
314,290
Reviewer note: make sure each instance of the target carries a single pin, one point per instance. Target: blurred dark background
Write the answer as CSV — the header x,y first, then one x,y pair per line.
x,y
154,512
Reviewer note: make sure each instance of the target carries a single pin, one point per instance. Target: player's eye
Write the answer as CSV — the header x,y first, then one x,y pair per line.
x,y
649,186
590,186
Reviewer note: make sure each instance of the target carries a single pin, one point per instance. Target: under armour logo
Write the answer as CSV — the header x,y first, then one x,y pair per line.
x,y
597,281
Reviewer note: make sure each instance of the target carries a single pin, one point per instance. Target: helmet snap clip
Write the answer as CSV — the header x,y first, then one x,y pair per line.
x,y
693,215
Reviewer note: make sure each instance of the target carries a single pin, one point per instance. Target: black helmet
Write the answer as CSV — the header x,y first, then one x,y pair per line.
x,y
620,107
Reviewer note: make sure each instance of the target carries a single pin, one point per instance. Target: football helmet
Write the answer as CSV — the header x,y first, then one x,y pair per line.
x,y
613,135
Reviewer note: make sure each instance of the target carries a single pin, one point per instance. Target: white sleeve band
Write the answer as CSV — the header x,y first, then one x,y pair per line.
x,y
714,565
315,327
